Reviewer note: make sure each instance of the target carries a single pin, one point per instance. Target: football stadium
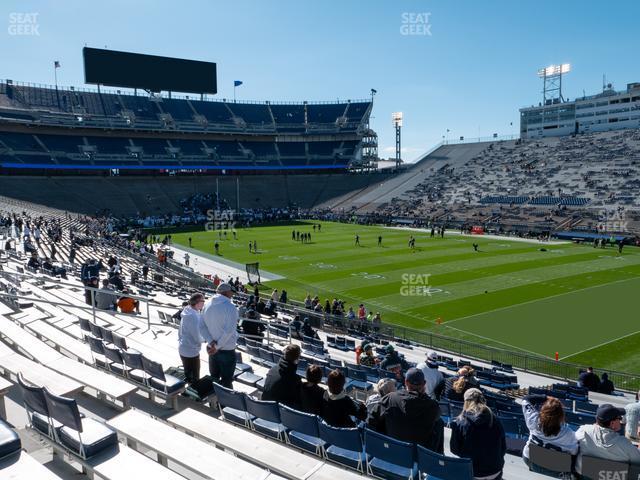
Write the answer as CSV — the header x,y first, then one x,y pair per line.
x,y
431,271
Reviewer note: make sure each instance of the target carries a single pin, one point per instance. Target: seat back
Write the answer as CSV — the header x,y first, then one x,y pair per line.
x,y
230,398
85,325
510,425
107,335
388,449
299,421
356,374
119,341
436,465
347,438
132,360
64,410
153,369
264,409
549,459
597,468
96,331
95,345
113,355
33,396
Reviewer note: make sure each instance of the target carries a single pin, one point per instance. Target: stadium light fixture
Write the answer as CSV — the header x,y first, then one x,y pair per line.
x,y
396,117
554,70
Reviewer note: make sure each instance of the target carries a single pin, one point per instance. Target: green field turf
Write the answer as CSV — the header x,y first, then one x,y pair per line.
x,y
579,301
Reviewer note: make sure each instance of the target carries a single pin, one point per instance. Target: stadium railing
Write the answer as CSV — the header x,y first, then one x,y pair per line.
x,y
519,360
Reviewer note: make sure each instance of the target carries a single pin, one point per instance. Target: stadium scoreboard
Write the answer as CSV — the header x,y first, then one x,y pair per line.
x,y
148,72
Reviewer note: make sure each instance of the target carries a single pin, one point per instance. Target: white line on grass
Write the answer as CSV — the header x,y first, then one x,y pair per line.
x,y
600,345
494,340
541,299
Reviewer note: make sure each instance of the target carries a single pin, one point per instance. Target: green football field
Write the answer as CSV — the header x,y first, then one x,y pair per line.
x,y
576,300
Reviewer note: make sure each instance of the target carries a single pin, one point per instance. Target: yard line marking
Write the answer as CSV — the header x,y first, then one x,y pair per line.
x,y
600,345
542,299
495,341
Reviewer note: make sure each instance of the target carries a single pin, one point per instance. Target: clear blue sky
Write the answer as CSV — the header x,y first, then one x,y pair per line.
x,y
470,75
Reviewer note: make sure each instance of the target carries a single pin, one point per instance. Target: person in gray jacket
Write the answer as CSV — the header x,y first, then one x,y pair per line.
x,y
602,440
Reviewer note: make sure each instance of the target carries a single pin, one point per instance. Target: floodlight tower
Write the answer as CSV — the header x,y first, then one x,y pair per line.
x,y
552,82
396,117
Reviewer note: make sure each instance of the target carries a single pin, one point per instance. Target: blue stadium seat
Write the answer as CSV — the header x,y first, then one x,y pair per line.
x,y
266,417
343,445
232,405
438,467
302,430
389,458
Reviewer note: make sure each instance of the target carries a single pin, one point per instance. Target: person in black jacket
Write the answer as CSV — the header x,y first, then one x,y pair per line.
x,y
251,325
589,380
283,383
312,393
410,415
337,406
478,434
606,385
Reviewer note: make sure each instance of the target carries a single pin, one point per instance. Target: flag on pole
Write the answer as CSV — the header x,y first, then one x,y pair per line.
x,y
237,83
56,64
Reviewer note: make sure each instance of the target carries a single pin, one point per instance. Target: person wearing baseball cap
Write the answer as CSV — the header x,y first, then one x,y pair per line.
x,y
220,322
602,440
433,377
410,415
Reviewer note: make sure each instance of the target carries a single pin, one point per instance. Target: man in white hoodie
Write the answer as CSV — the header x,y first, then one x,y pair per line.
x,y
602,439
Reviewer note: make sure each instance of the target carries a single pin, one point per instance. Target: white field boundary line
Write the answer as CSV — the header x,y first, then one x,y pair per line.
x,y
600,345
496,341
488,236
542,299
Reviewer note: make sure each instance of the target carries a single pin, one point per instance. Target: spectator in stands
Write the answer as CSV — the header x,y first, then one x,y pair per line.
x,y
376,323
116,280
178,315
252,325
55,270
606,385
220,317
545,420
312,393
89,275
145,271
454,387
602,440
283,296
126,304
33,263
105,300
632,425
368,359
380,389
307,329
72,254
478,434
433,377
392,359
589,380
338,407
282,383
295,328
410,415
190,338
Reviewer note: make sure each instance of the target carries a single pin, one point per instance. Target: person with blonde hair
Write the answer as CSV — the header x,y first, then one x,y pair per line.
x,y
380,389
455,387
478,434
